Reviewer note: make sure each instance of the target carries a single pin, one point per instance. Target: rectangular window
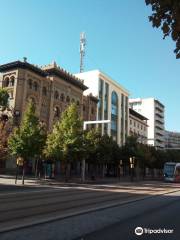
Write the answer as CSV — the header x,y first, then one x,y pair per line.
x,y
122,117
100,103
106,94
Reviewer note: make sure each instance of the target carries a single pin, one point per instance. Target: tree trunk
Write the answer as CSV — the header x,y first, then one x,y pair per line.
x,y
67,171
36,168
17,171
103,170
23,174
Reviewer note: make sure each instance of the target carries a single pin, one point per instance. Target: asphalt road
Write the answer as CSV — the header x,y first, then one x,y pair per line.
x,y
153,219
70,212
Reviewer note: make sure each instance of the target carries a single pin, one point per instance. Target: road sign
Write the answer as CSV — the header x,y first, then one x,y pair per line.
x,y
20,161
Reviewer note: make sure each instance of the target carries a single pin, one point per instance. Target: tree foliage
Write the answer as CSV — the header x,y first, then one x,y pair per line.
x,y
5,124
28,140
5,130
145,155
4,97
66,140
166,14
101,149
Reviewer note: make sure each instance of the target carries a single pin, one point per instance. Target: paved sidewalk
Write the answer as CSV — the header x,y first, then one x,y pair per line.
x,y
31,181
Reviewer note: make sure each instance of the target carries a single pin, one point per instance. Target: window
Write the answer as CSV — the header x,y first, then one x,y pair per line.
x,y
56,95
84,108
12,79
35,85
114,103
11,95
68,99
30,83
92,110
100,102
56,112
77,103
6,82
114,114
106,94
62,97
44,91
72,100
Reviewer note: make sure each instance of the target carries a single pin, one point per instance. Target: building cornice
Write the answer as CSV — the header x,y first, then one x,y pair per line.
x,y
23,65
66,76
44,72
136,114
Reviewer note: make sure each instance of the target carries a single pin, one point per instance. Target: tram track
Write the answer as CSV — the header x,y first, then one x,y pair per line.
x,y
42,207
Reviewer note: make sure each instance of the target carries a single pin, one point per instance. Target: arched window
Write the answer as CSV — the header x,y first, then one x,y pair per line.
x,y
35,85
44,91
67,99
72,100
6,82
30,83
12,80
56,95
77,103
114,103
62,97
114,114
56,112
10,95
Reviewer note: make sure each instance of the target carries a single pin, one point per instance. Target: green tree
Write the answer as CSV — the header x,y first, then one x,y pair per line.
x,y
166,14
101,150
92,142
130,148
4,98
28,140
5,130
66,140
5,125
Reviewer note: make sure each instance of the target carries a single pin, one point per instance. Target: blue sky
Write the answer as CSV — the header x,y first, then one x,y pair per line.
x,y
120,41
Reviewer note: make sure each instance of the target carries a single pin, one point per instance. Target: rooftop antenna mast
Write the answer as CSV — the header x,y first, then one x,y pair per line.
x,y
82,50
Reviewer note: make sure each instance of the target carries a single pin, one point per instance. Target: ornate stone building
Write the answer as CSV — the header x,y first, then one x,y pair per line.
x,y
89,107
50,87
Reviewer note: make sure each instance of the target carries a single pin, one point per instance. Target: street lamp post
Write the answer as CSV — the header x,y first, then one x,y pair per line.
x,y
120,166
83,169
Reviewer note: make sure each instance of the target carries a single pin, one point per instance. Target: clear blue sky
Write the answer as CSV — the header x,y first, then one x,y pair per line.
x,y
120,42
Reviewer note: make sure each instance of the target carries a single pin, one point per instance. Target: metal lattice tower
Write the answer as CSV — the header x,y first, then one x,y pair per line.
x,y
82,50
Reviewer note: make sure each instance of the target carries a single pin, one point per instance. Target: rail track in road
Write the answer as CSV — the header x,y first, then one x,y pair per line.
x,y
35,207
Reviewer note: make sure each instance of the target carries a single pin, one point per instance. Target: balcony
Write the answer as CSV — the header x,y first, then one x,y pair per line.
x,y
159,120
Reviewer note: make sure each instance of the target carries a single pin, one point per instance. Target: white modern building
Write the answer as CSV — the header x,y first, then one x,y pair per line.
x,y
153,110
172,140
138,126
112,105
